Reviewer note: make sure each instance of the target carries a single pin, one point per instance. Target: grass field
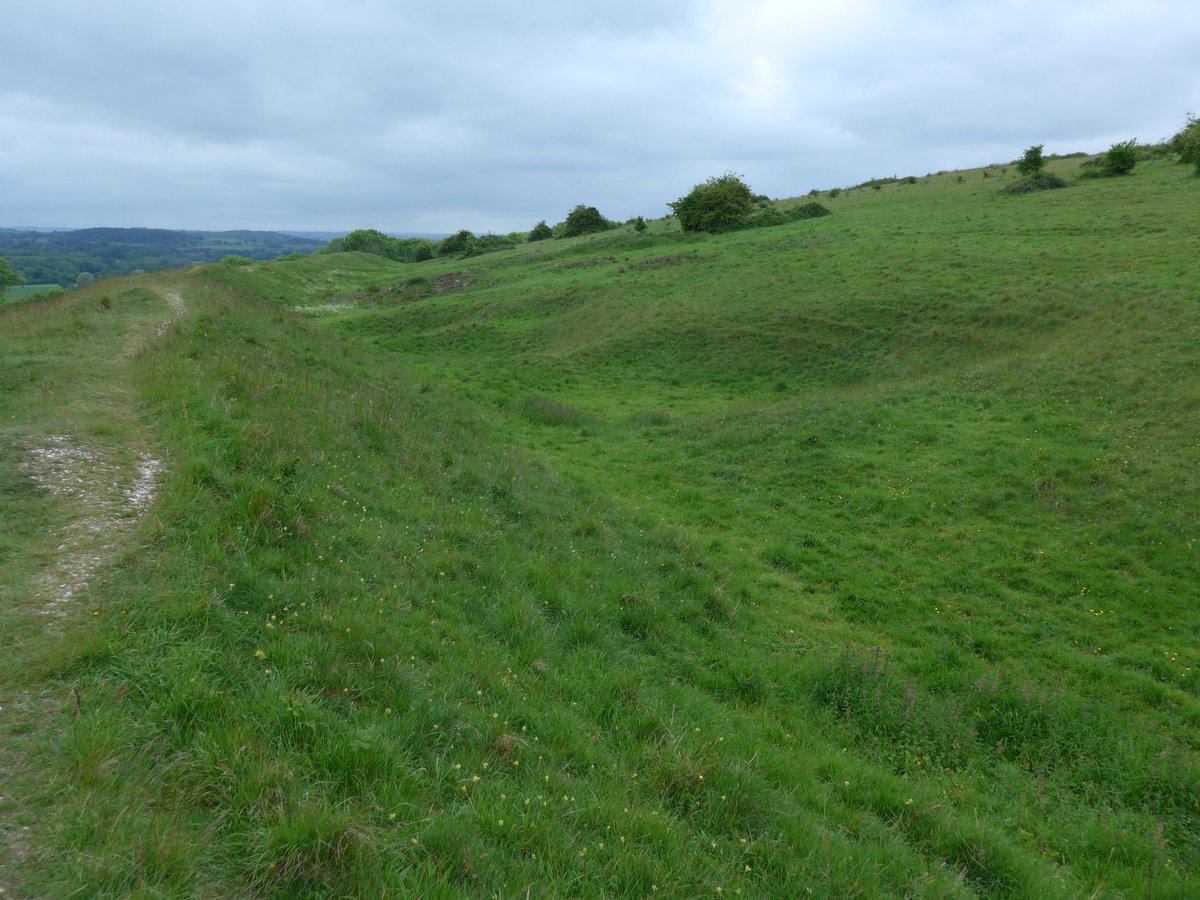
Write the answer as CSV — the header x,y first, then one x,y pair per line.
x,y
22,292
852,557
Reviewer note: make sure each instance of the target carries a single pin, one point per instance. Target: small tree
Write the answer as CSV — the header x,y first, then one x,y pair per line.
x,y
1032,162
722,203
584,220
1121,158
424,251
8,277
540,232
639,224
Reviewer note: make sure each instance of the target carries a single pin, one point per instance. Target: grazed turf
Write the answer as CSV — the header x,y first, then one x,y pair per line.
x,y
855,555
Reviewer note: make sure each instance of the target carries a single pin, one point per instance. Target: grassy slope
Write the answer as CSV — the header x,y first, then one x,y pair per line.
x,y
856,554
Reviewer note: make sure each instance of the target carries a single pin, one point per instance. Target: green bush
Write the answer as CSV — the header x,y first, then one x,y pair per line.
x,y
489,243
460,242
768,216
1032,163
1043,181
1121,158
723,203
1187,142
807,211
369,240
639,224
584,220
541,232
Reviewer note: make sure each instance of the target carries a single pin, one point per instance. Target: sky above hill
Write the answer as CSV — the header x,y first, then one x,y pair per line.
x,y
406,116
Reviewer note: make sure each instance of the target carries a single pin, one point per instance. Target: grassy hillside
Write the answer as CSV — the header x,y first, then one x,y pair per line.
x,y
852,557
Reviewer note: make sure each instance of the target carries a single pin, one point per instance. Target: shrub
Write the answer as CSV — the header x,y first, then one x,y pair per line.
x,y
424,250
540,232
722,203
807,211
1043,181
584,220
639,224
1187,142
1032,162
491,242
768,216
461,242
1121,158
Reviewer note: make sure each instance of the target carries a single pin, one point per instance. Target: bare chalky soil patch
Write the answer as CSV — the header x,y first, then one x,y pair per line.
x,y
106,499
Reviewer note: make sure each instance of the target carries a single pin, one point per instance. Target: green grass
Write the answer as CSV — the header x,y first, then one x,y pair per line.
x,y
856,554
23,292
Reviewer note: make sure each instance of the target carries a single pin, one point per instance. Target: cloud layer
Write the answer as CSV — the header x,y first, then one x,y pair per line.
x,y
411,117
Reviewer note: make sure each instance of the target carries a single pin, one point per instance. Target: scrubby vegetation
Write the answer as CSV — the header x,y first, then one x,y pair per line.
x,y
1121,158
854,555
722,203
584,220
1032,162
1186,143
726,203
458,244
1042,181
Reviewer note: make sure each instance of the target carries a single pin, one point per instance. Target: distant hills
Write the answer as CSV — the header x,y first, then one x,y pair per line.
x,y
69,258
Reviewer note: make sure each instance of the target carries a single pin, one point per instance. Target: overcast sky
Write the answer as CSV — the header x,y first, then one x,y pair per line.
x,y
424,116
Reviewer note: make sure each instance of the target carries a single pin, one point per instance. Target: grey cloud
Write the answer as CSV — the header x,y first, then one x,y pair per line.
x,y
410,116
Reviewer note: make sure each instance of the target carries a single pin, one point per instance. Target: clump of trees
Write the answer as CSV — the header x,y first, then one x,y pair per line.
x,y
370,240
726,203
460,243
585,220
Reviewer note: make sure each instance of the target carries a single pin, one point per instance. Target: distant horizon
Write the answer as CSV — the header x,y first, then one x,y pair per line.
x,y
314,234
